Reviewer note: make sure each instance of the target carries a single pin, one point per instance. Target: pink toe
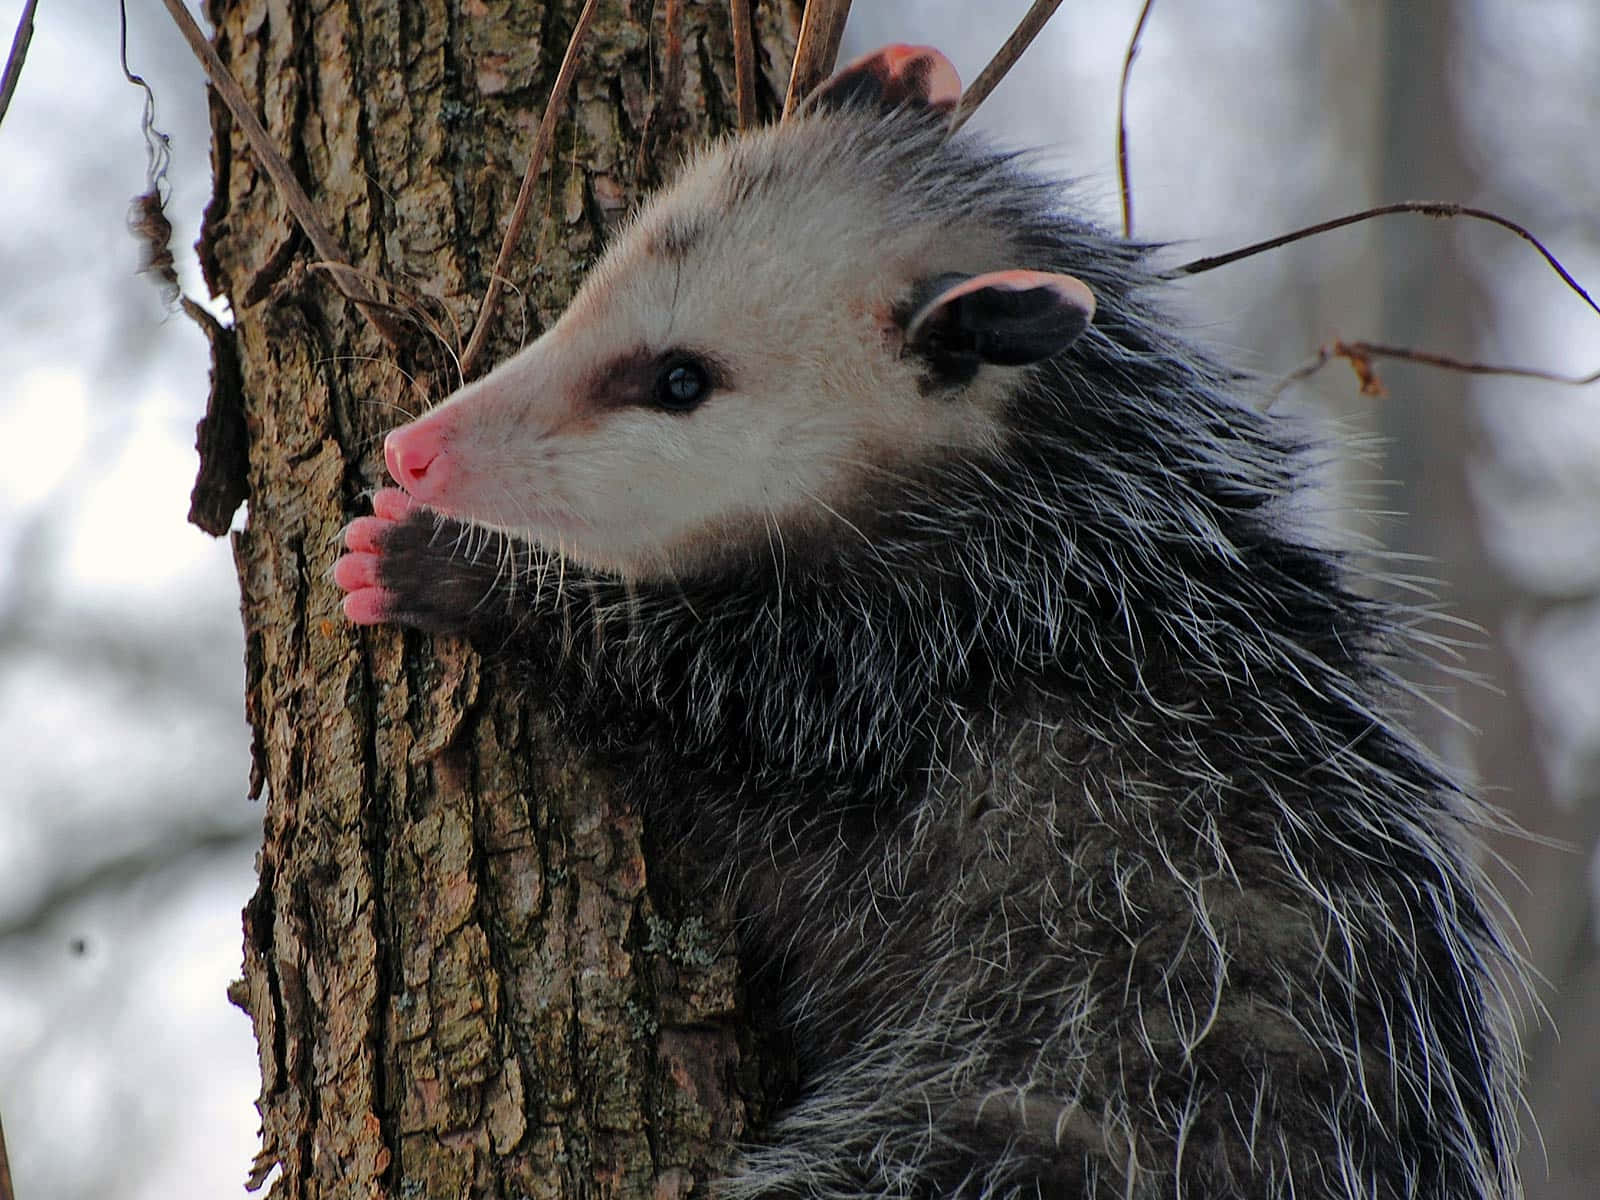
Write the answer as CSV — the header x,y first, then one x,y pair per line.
x,y
364,534
367,606
392,504
353,572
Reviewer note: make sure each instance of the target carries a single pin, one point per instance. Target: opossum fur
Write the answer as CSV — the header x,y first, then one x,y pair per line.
x,y
1056,775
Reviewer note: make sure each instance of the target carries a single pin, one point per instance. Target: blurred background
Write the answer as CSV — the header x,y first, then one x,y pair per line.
x,y
126,843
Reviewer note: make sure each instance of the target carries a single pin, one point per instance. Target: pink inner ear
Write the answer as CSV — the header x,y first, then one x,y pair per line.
x,y
922,71
1073,291
917,73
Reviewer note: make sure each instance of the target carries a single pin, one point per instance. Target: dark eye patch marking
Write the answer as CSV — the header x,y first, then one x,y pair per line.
x,y
645,379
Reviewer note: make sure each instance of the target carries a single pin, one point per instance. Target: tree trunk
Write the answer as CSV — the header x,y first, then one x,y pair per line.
x,y
468,974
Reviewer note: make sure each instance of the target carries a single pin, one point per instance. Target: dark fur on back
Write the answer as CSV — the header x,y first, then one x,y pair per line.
x,y
1061,784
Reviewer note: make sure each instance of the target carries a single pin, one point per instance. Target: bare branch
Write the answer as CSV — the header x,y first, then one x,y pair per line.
x,y
1360,356
1122,119
744,61
1004,59
326,246
8,84
817,48
158,146
1429,208
176,853
519,213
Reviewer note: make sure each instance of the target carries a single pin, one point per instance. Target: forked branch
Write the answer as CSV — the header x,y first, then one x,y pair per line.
x,y
283,177
1360,354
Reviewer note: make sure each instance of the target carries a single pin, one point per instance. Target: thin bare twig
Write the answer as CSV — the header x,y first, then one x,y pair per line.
x,y
1430,208
147,217
1005,58
519,213
1122,119
744,61
1361,354
816,49
19,53
158,146
283,177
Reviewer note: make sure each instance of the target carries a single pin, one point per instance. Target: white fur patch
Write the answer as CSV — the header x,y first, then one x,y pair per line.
x,y
793,293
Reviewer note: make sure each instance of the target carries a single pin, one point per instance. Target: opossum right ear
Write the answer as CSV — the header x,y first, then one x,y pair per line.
x,y
895,76
1009,318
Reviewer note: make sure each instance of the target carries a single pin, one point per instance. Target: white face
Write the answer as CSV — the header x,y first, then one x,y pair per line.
x,y
790,307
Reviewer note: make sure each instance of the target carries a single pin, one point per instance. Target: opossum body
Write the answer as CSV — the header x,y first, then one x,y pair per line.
x,y
863,510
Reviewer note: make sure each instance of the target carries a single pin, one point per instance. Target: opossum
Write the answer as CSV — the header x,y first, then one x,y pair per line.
x,y
867,511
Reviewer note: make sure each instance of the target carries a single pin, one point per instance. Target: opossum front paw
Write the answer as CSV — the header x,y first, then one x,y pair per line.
x,y
359,571
405,565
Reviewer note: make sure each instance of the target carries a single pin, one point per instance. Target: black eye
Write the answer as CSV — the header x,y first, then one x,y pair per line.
x,y
681,385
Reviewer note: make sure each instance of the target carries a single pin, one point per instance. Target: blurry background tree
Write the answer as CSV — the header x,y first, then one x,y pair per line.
x,y
125,840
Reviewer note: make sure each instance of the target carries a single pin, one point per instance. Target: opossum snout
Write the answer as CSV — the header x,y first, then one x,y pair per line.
x,y
419,460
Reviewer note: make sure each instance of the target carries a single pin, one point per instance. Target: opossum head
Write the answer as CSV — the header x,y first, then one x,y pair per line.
x,y
809,310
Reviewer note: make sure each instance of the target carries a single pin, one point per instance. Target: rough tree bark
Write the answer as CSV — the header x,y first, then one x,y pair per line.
x,y
468,974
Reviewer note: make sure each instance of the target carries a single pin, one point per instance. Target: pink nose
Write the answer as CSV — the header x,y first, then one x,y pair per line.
x,y
416,458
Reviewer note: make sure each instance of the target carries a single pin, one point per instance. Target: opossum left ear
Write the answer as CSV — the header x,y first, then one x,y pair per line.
x,y
895,76
1009,318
